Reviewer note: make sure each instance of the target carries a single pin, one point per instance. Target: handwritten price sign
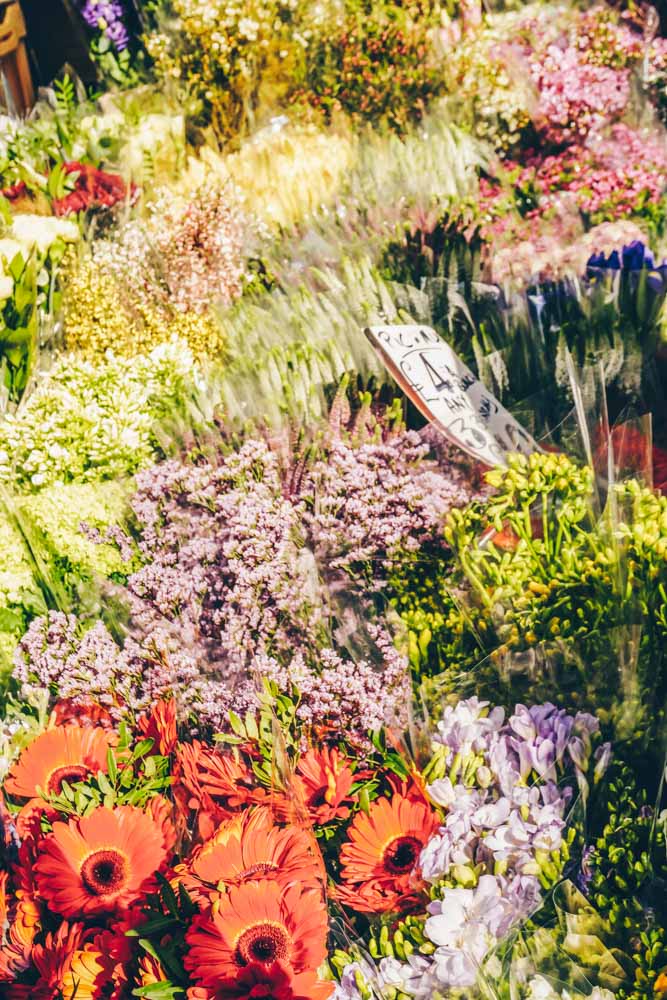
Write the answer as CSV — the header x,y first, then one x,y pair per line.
x,y
445,390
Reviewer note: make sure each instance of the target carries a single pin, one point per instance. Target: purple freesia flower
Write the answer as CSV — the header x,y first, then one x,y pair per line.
x,y
107,16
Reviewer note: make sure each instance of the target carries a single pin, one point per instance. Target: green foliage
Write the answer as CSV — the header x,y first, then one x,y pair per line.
x,y
549,597
19,325
88,422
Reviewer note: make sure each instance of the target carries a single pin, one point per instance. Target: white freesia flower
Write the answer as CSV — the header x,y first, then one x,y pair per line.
x,y
6,287
42,231
540,988
9,249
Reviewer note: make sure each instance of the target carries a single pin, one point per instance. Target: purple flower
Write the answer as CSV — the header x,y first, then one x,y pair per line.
x,y
585,873
634,259
107,16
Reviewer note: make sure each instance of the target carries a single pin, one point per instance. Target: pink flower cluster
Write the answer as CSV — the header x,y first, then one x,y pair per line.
x,y
576,97
608,40
614,177
230,592
201,250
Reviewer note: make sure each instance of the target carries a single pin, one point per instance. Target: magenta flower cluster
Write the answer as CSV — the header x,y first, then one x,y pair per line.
x,y
576,97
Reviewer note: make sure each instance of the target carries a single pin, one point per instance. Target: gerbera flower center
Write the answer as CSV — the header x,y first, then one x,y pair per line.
x,y
105,872
400,855
69,773
319,798
266,943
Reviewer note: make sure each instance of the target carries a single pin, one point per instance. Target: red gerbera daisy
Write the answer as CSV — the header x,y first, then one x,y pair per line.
x,y
160,726
99,863
66,753
258,923
381,854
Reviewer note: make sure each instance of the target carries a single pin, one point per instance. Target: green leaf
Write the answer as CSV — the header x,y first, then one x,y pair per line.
x,y
9,620
142,748
105,786
112,767
236,724
159,991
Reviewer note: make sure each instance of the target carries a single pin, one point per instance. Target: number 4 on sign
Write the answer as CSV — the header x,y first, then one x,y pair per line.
x,y
449,394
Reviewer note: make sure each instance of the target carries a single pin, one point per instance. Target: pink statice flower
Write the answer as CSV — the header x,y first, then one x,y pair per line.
x,y
245,578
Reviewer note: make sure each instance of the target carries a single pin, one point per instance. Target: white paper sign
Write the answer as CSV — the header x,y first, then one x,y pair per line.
x,y
449,394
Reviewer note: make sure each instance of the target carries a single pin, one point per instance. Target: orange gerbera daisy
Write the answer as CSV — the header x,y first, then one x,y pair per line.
x,y
210,787
258,923
382,852
161,812
66,753
24,923
324,779
230,783
99,863
29,818
252,848
87,976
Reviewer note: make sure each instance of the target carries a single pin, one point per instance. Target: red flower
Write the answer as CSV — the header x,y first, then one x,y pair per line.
x,y
632,454
379,859
160,726
84,712
94,188
213,785
14,191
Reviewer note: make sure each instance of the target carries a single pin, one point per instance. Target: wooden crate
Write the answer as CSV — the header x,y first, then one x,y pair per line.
x,y
16,89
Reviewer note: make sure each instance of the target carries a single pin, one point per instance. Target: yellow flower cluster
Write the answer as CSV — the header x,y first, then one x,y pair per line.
x,y
97,317
280,176
94,316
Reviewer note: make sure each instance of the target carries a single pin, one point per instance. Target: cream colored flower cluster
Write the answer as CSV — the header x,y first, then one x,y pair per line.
x,y
282,175
30,234
228,51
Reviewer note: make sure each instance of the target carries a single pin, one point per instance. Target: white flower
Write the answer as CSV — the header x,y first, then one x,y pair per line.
x,y
9,249
540,988
42,231
6,287
465,924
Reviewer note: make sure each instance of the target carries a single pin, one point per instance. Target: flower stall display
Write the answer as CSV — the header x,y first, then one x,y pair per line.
x,y
299,700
